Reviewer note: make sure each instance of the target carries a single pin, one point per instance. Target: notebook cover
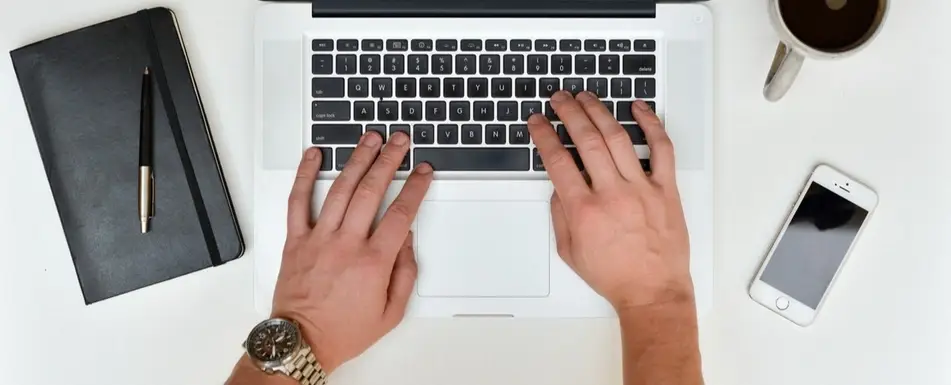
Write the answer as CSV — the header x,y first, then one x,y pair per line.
x,y
82,92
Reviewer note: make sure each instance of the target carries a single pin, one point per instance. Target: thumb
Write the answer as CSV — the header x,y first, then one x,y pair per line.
x,y
402,281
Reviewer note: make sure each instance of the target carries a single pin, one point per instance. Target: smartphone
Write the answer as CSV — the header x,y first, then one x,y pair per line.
x,y
813,245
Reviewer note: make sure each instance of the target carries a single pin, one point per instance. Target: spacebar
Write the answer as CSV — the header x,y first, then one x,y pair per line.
x,y
474,159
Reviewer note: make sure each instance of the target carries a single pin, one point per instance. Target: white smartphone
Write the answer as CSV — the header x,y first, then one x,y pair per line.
x,y
813,245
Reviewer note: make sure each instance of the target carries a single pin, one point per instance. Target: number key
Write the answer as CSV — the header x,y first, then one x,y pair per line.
x,y
370,64
465,64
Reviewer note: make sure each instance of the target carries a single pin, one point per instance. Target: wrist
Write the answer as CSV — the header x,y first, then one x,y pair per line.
x,y
312,336
672,298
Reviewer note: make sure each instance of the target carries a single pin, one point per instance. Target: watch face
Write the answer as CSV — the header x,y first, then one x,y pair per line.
x,y
273,340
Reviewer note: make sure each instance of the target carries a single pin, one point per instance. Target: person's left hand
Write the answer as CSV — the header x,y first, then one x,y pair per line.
x,y
345,283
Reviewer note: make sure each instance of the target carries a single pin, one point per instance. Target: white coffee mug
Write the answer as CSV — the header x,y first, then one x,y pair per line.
x,y
793,51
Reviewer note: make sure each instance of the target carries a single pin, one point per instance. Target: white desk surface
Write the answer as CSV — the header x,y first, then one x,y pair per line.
x,y
881,115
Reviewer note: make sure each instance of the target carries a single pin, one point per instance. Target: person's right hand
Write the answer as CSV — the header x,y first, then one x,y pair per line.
x,y
624,233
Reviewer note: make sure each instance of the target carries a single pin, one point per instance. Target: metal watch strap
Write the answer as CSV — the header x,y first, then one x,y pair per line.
x,y
305,369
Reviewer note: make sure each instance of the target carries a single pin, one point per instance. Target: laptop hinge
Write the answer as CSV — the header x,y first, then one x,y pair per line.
x,y
485,8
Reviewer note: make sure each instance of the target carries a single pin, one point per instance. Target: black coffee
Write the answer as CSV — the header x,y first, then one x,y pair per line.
x,y
831,25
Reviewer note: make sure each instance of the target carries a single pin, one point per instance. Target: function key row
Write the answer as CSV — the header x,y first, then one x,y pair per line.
x,y
490,45
484,64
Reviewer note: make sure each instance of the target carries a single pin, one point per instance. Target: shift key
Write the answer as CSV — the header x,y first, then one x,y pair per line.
x,y
331,111
336,133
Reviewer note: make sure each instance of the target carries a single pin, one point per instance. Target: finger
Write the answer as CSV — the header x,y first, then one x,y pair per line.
x,y
399,216
617,139
369,192
298,204
662,149
594,153
338,198
560,223
402,281
559,163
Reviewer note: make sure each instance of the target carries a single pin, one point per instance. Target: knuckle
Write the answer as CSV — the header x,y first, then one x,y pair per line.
x,y
663,144
365,189
589,142
619,136
559,159
400,211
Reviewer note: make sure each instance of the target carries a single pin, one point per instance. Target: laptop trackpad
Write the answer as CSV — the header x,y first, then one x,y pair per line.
x,y
483,249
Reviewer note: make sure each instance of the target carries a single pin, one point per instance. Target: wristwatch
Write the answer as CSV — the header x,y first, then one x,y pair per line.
x,y
276,346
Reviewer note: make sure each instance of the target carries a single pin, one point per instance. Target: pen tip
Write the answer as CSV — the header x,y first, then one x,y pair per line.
x,y
146,70
145,227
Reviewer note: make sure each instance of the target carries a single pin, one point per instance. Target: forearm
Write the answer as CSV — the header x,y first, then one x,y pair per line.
x,y
661,343
245,373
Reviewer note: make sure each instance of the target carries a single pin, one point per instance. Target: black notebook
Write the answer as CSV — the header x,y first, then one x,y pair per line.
x,y
82,91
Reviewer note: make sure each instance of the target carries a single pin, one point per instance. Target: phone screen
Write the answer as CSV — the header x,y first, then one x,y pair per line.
x,y
814,245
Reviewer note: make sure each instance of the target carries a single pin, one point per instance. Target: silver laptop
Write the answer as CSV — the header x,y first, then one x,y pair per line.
x,y
462,79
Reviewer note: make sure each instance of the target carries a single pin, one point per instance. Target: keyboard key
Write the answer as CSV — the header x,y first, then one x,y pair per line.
x,y
525,88
521,45
483,111
489,64
563,134
599,86
574,85
394,64
609,64
537,65
382,88
348,45
372,45
358,87
363,111
570,45
453,87
418,65
465,64
429,87
324,111
545,45
327,87
548,86
459,111
442,64
343,156
585,65
424,134
447,45
595,45
652,105
507,111
518,134
471,45
639,64
447,134
645,45
397,45
326,158
412,111
494,134
621,88
379,128
572,151
501,87
474,159
370,64
561,64
637,135
624,113
387,111
609,105
422,45
550,113
537,161
478,88
322,64
346,64
514,64
645,88
404,165
496,45
619,45
435,111
335,133
406,87
529,109
394,128
322,45
471,134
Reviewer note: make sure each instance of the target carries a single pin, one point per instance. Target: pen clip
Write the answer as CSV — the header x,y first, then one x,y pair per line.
x,y
152,195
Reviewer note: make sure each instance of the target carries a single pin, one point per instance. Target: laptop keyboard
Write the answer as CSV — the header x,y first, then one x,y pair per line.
x,y
465,102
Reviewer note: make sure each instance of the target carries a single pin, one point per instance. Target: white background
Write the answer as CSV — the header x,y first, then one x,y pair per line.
x,y
881,116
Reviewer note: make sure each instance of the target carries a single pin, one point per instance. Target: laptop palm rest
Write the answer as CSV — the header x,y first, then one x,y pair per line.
x,y
483,249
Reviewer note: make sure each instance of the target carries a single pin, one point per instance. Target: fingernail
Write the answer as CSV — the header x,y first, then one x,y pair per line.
x,y
424,168
537,119
371,139
399,138
641,105
561,96
311,153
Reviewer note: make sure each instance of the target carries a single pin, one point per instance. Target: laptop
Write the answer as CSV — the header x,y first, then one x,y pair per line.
x,y
461,78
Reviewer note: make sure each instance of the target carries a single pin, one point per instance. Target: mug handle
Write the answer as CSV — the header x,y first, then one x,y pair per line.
x,y
786,65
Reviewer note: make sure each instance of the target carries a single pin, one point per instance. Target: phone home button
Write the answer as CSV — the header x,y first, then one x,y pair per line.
x,y
782,303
